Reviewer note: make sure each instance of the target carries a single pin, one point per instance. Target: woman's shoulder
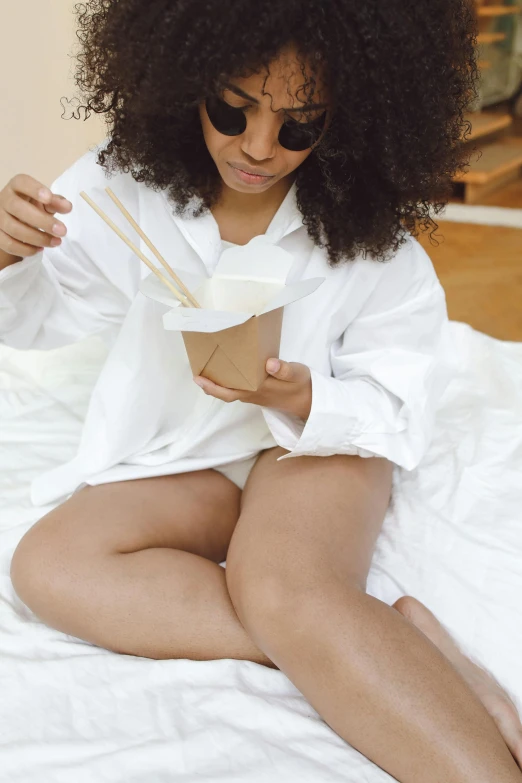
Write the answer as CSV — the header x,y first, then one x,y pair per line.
x,y
410,262
408,276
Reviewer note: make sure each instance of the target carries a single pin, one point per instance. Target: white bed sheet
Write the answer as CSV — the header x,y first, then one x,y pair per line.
x,y
453,538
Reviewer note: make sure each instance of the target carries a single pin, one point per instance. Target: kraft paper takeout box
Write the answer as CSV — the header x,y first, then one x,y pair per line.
x,y
238,327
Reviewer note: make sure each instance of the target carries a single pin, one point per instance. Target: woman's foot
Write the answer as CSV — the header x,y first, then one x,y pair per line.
x,y
494,698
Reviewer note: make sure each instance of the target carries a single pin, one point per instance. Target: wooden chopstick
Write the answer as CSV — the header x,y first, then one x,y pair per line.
x,y
182,298
156,252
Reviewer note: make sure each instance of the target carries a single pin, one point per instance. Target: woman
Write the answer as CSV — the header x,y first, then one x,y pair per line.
x,y
330,127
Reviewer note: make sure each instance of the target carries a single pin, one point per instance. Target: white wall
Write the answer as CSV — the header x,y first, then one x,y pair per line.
x,y
36,37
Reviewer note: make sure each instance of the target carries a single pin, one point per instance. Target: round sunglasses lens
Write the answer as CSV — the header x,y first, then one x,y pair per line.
x,y
226,119
299,136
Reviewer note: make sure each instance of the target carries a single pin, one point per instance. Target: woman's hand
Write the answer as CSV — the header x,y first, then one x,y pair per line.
x,y
27,224
289,389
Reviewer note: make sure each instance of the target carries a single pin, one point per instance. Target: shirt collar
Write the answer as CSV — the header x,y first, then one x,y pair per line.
x,y
202,233
287,219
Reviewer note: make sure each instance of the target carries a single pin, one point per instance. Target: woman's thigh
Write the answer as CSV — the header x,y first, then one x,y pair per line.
x,y
195,512
305,520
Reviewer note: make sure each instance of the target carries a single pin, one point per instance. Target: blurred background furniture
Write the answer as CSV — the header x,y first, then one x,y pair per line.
x,y
494,116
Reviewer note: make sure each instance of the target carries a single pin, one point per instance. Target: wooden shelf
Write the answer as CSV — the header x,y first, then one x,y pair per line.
x,y
484,123
499,164
500,159
498,10
487,38
496,160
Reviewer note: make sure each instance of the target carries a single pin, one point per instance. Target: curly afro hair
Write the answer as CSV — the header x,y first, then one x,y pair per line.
x,y
401,74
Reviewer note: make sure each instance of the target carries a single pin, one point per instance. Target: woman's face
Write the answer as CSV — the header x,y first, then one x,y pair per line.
x,y
255,159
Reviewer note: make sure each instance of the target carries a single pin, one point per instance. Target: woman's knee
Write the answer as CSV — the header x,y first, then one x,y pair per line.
x,y
270,595
42,567
262,599
280,611
307,530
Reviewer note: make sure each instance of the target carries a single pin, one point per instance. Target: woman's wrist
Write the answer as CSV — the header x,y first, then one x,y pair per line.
x,y
6,259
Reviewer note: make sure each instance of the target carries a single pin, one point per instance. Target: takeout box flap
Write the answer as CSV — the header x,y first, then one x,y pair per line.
x,y
249,280
292,293
153,288
260,261
193,319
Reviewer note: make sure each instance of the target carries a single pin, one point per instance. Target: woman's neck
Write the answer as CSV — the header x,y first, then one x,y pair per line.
x,y
241,216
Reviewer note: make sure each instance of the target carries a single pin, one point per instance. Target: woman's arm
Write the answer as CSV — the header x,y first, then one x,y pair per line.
x,y
83,287
389,370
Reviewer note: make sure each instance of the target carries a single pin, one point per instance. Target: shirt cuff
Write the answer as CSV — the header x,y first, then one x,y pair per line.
x,y
353,416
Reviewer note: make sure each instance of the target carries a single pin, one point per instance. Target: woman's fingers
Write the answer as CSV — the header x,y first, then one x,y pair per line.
x,y
220,392
62,204
27,219
15,247
36,216
26,234
27,222
58,204
25,185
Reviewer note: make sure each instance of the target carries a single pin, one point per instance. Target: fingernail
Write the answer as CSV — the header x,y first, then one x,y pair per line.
x,y
59,230
44,195
273,365
55,242
200,383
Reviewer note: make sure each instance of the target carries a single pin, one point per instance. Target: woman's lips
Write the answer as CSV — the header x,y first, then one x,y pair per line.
x,y
250,178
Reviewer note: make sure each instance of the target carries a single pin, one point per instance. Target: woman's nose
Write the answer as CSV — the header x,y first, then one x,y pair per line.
x,y
259,141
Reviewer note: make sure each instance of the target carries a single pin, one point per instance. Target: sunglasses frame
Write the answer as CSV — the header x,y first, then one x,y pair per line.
x,y
215,106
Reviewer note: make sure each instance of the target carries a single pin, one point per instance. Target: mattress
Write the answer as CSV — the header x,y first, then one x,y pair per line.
x,y
452,537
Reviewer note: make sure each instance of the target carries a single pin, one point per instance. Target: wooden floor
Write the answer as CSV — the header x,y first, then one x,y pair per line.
x,y
480,268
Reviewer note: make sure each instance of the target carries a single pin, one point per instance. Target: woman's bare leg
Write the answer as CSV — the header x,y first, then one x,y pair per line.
x,y
492,695
133,567
296,572
64,569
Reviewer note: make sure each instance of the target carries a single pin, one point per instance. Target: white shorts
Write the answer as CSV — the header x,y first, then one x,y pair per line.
x,y
238,472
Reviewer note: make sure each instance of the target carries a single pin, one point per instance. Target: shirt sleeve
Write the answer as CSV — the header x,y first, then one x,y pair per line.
x,y
84,286
389,370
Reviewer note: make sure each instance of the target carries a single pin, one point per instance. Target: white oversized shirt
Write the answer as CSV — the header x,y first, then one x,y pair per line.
x,y
375,336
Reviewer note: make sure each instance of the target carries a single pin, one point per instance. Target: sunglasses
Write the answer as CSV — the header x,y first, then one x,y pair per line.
x,y
294,136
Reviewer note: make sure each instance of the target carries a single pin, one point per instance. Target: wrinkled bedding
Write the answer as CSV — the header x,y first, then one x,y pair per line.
x,y
452,538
